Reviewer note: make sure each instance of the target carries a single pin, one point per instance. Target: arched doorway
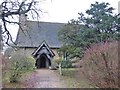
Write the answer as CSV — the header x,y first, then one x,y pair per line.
x,y
43,56
43,62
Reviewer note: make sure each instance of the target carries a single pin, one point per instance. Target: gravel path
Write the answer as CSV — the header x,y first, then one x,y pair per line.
x,y
44,78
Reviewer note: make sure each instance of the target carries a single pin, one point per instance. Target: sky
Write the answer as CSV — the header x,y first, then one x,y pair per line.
x,y
64,10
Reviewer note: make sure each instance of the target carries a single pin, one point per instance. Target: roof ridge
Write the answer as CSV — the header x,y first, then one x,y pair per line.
x,y
46,22
39,47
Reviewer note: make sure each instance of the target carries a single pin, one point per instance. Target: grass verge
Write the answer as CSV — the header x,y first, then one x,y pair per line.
x,y
74,79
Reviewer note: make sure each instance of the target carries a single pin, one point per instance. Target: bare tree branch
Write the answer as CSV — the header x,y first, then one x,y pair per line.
x,y
7,32
12,8
12,22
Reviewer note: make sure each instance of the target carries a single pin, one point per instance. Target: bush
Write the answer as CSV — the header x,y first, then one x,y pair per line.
x,y
100,64
66,64
58,61
19,65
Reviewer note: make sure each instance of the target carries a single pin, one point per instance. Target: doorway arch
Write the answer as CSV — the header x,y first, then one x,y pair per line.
x,y
43,61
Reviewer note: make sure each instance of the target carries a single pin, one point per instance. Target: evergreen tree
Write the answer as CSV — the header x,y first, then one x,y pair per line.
x,y
100,25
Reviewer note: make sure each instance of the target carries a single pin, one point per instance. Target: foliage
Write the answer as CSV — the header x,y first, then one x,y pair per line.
x,y
100,64
20,64
66,64
69,51
99,25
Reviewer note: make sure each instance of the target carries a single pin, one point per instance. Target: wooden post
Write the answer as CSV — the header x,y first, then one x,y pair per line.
x,y
60,69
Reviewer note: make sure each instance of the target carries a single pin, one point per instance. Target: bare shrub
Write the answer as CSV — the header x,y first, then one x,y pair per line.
x,y
5,60
19,65
100,64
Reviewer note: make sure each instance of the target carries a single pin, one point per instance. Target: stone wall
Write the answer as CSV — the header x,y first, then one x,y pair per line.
x,y
29,51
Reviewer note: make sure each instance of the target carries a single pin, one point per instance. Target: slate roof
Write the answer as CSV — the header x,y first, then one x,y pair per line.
x,y
35,33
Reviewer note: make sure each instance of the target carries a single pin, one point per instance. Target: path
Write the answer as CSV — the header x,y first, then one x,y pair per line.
x,y
44,78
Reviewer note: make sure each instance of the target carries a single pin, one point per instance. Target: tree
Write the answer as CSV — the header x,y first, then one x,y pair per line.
x,y
12,9
99,25
103,21
1,38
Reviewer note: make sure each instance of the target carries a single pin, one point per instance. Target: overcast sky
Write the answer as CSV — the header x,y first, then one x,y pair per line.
x,y
64,10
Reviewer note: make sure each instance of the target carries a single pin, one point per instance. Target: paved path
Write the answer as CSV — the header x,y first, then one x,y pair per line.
x,y
45,78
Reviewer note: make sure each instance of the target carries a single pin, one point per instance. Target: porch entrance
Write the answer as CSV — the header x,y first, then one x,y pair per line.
x,y
43,55
43,62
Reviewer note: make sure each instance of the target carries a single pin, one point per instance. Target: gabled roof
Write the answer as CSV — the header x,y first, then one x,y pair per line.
x,y
34,33
43,44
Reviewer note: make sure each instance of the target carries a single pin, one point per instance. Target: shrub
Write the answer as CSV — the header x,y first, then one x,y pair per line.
x,y
5,62
58,61
100,64
20,64
66,64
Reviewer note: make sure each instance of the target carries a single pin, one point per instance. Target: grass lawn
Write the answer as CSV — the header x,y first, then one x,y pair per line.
x,y
74,79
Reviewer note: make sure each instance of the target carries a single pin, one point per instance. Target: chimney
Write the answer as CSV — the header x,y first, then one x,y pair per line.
x,y
23,20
